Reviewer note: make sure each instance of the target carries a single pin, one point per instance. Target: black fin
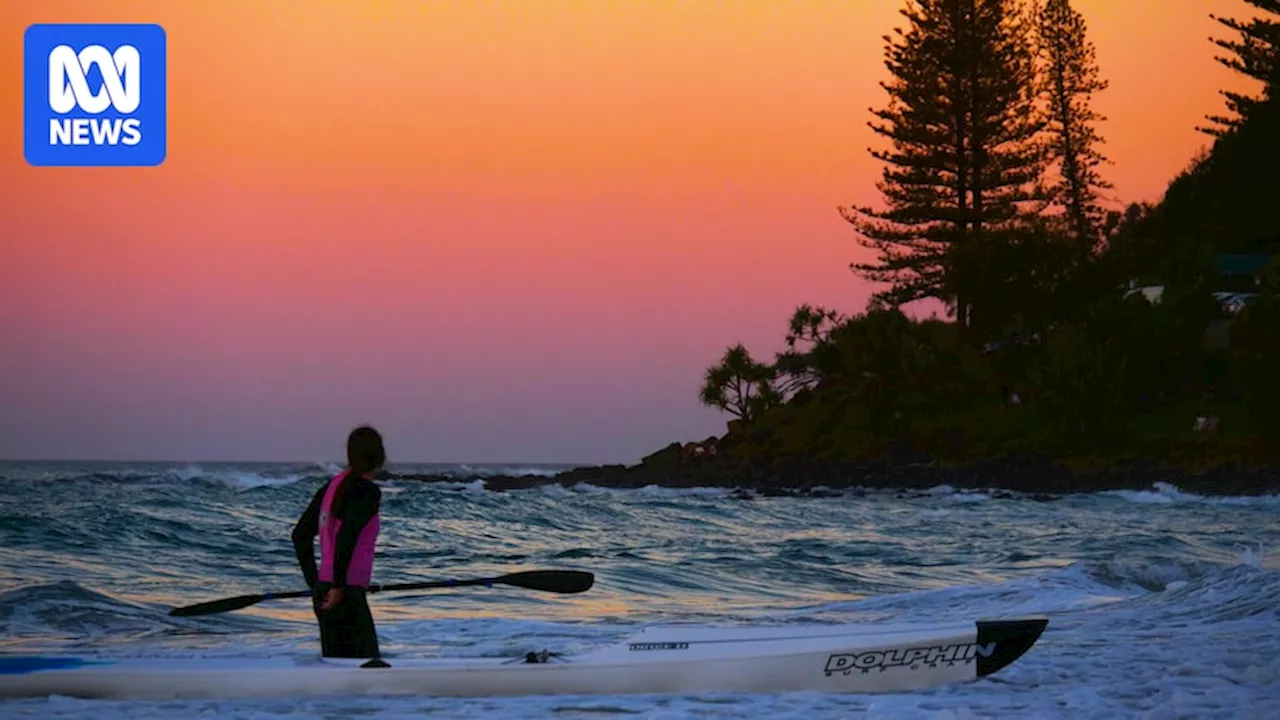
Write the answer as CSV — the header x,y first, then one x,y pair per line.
x,y
1011,638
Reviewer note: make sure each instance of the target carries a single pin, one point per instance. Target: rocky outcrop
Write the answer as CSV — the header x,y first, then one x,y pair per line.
x,y
1037,476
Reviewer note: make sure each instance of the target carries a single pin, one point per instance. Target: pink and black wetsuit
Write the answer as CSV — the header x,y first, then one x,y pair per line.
x,y
347,539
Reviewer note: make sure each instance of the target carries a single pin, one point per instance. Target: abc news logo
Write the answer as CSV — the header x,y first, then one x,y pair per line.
x,y
95,95
69,89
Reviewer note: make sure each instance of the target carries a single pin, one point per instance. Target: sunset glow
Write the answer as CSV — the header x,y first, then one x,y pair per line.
x,y
499,231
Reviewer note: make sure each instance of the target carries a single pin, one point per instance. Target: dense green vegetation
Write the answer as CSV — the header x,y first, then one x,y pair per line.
x,y
994,205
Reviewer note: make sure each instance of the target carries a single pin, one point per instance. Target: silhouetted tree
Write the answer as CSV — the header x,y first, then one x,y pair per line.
x,y
884,371
809,327
1129,243
1228,197
1026,278
1070,80
739,385
962,122
1256,54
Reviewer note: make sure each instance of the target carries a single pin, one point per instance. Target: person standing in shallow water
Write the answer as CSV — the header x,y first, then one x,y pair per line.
x,y
345,514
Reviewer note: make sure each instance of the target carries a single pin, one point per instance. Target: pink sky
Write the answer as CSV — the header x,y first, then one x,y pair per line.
x,y
499,232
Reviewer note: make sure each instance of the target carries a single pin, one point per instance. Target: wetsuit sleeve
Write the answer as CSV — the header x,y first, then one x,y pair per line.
x,y
360,508
304,537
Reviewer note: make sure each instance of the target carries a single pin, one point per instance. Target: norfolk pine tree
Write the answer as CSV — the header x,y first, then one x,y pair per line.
x,y
1255,54
1070,77
963,123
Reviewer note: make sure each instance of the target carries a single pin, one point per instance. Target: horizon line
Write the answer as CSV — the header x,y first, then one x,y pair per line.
x,y
300,462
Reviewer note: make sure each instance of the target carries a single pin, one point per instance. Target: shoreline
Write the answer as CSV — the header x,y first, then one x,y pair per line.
x,y
1036,477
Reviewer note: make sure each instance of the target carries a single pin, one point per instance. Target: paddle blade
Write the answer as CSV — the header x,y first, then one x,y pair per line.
x,y
218,606
556,581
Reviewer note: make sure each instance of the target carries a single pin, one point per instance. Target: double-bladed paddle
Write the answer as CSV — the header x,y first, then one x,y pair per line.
x,y
556,581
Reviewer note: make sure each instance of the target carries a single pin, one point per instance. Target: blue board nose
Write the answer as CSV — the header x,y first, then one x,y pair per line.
x,y
20,664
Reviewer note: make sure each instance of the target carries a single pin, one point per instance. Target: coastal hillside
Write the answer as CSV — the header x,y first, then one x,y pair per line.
x,y
1069,333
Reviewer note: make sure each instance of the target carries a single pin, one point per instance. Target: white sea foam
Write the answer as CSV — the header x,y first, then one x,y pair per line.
x,y
511,470
1162,493
1204,647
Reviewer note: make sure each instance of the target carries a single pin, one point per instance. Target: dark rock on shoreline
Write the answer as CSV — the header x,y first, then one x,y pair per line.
x,y
1039,478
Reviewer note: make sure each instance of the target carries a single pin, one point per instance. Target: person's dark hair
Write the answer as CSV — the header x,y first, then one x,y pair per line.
x,y
364,455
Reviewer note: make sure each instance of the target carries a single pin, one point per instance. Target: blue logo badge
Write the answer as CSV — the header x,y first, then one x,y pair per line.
x,y
94,95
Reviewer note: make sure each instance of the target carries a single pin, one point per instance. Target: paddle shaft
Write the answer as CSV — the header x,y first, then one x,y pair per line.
x,y
557,581
487,582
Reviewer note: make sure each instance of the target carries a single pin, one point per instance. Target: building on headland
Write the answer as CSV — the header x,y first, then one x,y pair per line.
x,y
1238,276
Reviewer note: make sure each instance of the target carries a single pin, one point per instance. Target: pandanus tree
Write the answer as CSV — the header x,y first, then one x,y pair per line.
x,y
740,385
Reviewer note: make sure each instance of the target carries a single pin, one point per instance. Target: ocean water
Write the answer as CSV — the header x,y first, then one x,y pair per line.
x,y
1162,604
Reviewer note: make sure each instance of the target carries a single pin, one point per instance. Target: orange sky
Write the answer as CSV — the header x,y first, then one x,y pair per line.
x,y
498,230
